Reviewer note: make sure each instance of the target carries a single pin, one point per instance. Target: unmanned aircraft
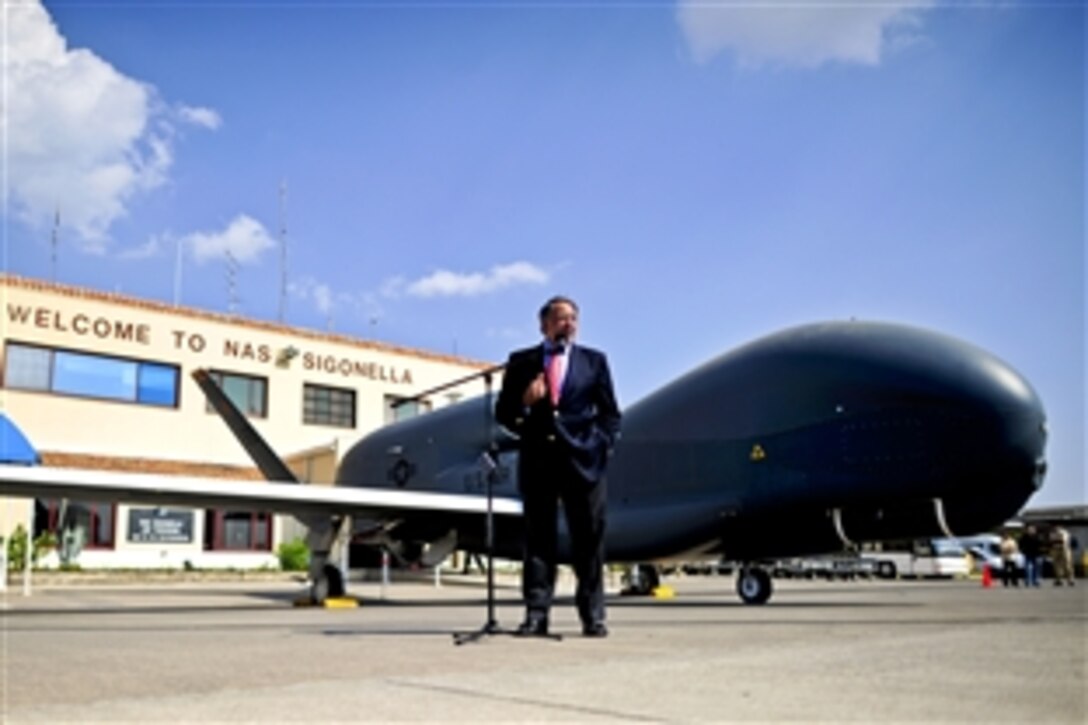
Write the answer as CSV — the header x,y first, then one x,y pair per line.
x,y
803,442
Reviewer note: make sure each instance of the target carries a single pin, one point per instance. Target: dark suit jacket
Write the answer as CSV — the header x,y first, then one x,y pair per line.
x,y
584,427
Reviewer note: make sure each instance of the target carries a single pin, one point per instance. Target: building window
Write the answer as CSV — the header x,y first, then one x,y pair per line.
x,y
397,411
86,375
97,377
27,368
328,406
237,531
157,384
248,393
76,524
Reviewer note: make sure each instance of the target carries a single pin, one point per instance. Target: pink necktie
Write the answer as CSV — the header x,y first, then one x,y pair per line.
x,y
554,377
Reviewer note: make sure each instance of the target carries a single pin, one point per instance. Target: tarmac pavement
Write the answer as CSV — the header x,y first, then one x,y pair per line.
x,y
829,651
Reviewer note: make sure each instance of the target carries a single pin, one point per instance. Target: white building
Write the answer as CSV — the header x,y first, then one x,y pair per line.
x,y
103,381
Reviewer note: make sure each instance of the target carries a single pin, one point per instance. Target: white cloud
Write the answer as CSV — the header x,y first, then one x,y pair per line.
x,y
367,305
82,137
244,239
444,283
320,294
510,333
205,117
148,249
323,298
804,33
326,300
393,287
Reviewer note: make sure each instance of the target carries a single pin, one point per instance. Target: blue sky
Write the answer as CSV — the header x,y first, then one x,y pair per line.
x,y
695,174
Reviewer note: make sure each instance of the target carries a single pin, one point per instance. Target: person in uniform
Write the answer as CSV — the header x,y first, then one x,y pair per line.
x,y
1062,556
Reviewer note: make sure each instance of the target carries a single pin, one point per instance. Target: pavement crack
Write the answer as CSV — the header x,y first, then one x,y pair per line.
x,y
468,692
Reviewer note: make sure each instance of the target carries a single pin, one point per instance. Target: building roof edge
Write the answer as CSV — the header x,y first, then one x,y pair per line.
x,y
28,283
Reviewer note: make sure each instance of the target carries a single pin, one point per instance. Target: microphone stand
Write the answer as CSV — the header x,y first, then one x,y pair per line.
x,y
489,460
491,626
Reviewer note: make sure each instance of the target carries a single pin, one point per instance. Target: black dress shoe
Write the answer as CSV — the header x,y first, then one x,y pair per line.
x,y
533,627
595,629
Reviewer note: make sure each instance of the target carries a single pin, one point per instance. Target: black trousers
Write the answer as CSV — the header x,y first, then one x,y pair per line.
x,y
544,483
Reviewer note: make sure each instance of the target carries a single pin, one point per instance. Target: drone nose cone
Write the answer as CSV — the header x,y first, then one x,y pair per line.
x,y
995,454
930,418
999,387
1002,395
1008,388
926,416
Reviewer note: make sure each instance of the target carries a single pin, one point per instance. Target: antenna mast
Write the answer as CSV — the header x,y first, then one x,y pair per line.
x,y
283,251
178,260
56,228
232,283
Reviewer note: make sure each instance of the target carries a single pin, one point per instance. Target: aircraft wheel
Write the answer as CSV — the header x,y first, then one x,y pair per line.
x,y
754,585
650,579
886,570
642,579
328,585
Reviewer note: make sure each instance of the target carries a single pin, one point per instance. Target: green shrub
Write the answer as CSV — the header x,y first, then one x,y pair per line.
x,y
294,555
45,543
17,549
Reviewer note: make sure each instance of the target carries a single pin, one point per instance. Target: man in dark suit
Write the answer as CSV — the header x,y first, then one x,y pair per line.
x,y
558,398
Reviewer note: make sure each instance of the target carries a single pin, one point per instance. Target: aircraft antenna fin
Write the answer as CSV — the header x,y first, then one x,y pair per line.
x,y
836,517
938,509
270,465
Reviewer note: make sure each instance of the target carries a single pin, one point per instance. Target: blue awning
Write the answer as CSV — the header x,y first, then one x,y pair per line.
x,y
14,446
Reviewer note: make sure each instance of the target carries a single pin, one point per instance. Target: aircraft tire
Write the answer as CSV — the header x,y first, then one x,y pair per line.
x,y
754,585
646,577
650,578
329,585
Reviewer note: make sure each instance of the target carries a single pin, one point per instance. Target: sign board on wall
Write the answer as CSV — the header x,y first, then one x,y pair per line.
x,y
160,526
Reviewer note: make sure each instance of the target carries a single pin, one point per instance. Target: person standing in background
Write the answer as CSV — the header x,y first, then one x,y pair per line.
x,y
1062,556
1031,546
1009,550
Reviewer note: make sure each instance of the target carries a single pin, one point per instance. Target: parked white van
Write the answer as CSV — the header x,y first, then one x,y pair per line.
x,y
985,549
